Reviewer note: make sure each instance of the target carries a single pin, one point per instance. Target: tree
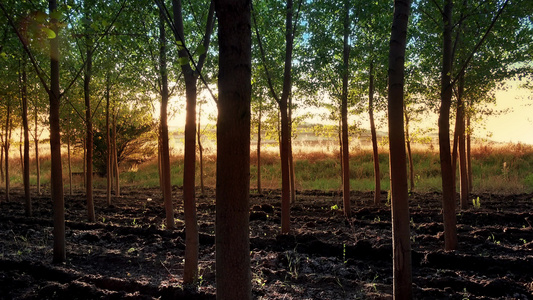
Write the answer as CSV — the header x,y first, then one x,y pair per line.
x,y
402,281
233,275
191,77
283,103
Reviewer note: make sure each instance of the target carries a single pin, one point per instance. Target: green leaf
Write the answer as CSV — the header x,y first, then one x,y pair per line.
x,y
40,16
183,60
200,50
56,14
51,34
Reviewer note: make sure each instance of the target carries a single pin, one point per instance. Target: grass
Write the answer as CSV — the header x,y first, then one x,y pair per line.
x,y
496,169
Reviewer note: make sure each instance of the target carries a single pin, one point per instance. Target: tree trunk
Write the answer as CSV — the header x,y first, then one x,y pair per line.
x,y
375,154
37,162
108,142
259,190
7,146
291,159
448,194
469,150
165,152
116,170
409,154
285,131
201,151
190,271
89,131
59,255
233,275
26,164
344,114
402,281
69,160
463,174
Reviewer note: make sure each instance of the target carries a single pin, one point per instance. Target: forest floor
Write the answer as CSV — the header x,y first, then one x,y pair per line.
x,y
127,253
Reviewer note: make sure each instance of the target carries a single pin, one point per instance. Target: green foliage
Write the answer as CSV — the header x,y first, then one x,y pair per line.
x,y
476,203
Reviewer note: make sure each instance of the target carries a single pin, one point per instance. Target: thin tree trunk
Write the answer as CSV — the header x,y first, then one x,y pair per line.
x,y
259,190
463,174
291,159
285,133
59,253
375,154
26,164
233,275
89,132
409,154
448,194
115,156
402,280
469,149
165,152
37,161
344,114
69,160
190,272
201,151
108,142
6,147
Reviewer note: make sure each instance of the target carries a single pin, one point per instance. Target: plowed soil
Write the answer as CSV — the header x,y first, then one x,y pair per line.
x,y
128,254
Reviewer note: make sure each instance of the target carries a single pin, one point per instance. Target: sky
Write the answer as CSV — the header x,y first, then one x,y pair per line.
x,y
514,126
517,125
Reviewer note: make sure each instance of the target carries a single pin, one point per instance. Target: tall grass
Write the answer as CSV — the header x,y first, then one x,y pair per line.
x,y
496,169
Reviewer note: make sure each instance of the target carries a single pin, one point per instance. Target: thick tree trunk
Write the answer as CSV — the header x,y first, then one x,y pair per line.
x,y
26,164
233,275
448,194
344,114
59,254
402,280
375,154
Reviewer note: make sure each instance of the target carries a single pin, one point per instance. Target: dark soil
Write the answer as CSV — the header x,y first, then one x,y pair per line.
x,y
128,254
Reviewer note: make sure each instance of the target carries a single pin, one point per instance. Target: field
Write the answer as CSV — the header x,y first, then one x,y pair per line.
x,y
128,254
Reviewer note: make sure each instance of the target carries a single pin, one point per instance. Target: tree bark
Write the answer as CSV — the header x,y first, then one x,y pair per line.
x,y
291,158
37,162
7,146
402,280
463,173
26,164
89,133
201,150
285,132
164,150
233,275
59,253
375,154
108,141
409,154
448,194
259,190
344,114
